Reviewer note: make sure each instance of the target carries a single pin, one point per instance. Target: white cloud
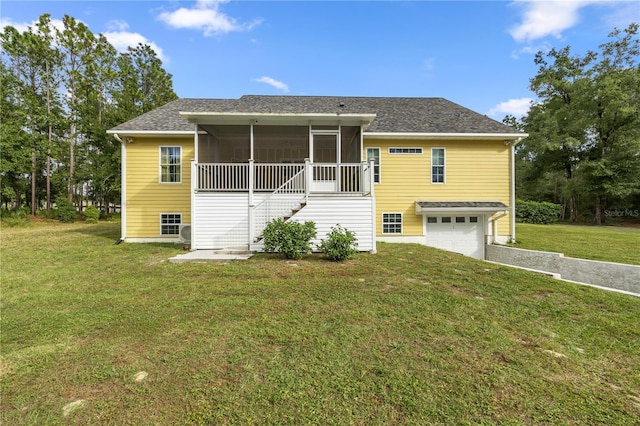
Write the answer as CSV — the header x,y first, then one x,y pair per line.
x,y
117,35
550,18
117,25
204,16
516,107
272,82
20,26
546,18
122,39
24,26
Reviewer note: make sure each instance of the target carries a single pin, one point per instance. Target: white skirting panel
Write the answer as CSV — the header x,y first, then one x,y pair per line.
x,y
221,220
353,213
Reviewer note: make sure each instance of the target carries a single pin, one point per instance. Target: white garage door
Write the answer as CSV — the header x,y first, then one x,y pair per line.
x,y
460,234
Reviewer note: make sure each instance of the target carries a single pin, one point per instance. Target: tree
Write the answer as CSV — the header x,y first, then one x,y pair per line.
x,y
76,44
61,91
144,84
14,161
28,52
584,144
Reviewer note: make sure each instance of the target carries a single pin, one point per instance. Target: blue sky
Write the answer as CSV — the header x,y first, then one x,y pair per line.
x,y
476,53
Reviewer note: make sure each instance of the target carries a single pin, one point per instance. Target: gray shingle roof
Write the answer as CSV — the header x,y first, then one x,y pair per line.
x,y
393,115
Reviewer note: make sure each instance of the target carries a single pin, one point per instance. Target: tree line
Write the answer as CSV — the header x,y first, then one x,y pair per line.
x,y
61,90
583,149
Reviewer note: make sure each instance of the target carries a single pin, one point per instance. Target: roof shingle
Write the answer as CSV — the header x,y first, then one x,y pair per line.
x,y
393,115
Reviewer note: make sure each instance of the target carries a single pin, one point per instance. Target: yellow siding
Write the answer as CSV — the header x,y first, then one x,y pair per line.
x,y
474,171
146,197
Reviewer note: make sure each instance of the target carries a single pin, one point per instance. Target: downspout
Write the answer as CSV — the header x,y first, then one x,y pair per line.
x,y
495,224
123,188
512,219
194,188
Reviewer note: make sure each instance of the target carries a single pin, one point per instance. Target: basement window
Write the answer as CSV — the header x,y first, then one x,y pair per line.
x,y
392,223
170,223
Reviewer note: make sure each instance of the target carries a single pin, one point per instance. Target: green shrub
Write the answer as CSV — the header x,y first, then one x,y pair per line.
x,y
537,212
291,239
340,244
21,213
47,214
91,214
66,212
15,221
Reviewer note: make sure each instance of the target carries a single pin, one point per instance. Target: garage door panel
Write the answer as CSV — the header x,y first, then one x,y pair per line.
x,y
462,237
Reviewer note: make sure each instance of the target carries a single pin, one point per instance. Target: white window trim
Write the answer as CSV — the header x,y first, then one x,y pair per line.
x,y
160,165
444,166
379,162
407,148
160,220
382,223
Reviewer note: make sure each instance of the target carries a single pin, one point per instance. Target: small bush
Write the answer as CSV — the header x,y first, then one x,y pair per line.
x,y
21,213
66,212
291,239
91,214
537,212
340,244
47,214
15,221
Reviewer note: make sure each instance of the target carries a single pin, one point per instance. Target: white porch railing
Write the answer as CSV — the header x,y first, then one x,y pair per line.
x,y
222,177
281,203
321,177
280,190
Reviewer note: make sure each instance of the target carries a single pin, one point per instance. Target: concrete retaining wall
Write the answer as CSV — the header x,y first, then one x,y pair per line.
x,y
605,274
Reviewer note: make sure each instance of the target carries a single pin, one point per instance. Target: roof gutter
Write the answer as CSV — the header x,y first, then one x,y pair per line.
x,y
212,117
507,137
119,134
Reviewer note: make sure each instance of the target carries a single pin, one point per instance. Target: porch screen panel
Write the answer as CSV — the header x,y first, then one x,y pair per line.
x,y
225,144
350,144
280,144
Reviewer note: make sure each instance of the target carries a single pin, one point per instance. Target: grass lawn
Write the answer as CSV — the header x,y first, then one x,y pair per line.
x,y
608,243
411,335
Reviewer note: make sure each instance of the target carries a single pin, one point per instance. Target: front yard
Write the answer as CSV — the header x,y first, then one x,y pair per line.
x,y
411,335
607,243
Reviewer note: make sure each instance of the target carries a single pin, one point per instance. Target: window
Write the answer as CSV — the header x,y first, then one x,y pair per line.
x,y
445,220
459,219
392,223
405,150
170,223
473,219
374,154
437,165
432,219
170,164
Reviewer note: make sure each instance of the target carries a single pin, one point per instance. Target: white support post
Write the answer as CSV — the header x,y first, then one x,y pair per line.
x,y
251,205
373,208
251,141
196,143
193,192
372,179
308,176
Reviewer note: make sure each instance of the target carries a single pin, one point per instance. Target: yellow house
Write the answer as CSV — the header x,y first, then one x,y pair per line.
x,y
214,172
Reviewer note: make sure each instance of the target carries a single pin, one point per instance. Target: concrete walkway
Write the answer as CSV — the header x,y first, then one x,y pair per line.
x,y
211,256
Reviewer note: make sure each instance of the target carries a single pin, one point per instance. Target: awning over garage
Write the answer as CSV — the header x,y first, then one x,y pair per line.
x,y
470,207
